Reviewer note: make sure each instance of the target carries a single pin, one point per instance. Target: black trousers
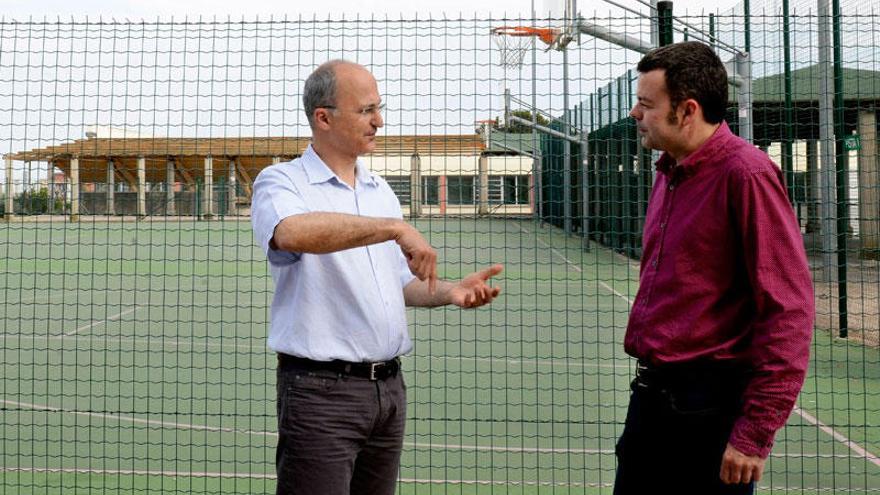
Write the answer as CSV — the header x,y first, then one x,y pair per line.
x,y
677,427
338,434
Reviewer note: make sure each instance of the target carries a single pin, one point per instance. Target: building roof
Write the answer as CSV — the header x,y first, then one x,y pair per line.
x,y
187,155
127,147
858,84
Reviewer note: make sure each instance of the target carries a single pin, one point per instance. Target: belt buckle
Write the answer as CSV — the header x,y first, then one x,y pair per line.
x,y
373,368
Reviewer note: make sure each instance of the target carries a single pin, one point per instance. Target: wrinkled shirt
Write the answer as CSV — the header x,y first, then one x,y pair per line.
x,y
344,305
724,276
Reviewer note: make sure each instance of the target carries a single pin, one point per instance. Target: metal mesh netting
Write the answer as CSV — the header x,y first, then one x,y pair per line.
x,y
134,311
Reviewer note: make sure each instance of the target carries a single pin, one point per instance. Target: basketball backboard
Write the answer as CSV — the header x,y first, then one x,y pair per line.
x,y
560,15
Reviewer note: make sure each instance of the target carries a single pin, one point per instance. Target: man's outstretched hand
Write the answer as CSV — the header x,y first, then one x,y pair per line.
x,y
474,290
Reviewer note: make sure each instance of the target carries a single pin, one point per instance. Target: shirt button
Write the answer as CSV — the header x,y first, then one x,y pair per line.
x,y
654,263
671,186
662,225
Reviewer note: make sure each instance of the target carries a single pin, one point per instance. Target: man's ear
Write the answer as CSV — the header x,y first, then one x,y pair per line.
x,y
690,111
321,118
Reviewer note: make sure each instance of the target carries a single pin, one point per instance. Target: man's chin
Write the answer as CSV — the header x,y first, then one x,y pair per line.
x,y
369,147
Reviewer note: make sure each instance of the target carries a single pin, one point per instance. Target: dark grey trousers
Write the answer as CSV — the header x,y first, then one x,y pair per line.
x,y
337,434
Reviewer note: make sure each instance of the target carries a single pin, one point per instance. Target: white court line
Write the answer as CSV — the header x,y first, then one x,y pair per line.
x,y
492,448
160,342
858,449
271,476
417,445
157,341
132,419
520,362
100,322
577,268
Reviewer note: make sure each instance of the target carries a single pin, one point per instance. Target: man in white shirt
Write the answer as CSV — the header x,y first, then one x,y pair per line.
x,y
345,265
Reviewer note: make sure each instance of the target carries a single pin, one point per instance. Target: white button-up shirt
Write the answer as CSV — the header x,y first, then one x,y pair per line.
x,y
345,305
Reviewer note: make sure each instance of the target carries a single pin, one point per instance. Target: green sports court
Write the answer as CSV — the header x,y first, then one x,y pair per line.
x,y
136,362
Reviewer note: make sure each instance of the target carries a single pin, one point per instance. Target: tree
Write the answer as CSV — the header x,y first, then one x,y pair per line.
x,y
519,127
35,202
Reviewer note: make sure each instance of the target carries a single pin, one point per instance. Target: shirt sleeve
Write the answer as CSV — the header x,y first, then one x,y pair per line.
x,y
275,198
779,274
406,276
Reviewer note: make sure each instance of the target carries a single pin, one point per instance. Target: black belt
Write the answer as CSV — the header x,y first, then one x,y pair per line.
x,y
379,370
690,373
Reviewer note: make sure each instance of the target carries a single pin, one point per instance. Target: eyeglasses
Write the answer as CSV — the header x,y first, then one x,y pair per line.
x,y
363,112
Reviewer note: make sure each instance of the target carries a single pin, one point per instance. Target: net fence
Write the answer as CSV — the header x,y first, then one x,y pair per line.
x,y
135,302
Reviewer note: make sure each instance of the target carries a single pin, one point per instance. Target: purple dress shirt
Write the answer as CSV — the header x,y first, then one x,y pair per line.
x,y
724,276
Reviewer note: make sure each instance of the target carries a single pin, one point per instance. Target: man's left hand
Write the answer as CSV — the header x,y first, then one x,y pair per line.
x,y
737,467
474,291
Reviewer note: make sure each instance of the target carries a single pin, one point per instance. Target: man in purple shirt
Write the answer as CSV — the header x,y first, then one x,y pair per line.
x,y
722,321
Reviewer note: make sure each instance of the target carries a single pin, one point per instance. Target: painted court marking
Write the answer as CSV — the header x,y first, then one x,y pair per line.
x,y
100,322
577,268
861,452
858,449
160,342
544,362
271,476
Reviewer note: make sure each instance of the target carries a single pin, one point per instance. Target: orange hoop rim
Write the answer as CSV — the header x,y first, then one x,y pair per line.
x,y
547,35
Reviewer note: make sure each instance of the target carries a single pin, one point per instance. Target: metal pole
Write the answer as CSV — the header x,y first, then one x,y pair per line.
x,y
664,22
712,30
545,129
744,95
537,160
142,186
50,179
787,153
74,189
826,138
111,188
603,33
566,148
747,21
10,191
842,172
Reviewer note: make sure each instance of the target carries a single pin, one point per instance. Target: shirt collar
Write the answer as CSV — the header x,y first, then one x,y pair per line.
x,y
317,171
711,150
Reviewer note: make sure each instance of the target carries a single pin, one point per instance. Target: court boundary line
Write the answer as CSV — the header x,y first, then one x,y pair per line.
x,y
863,452
160,342
235,474
99,322
576,267
413,444
270,476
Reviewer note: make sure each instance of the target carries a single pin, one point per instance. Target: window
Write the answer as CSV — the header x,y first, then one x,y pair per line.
x,y
496,189
401,186
509,189
430,191
516,189
461,189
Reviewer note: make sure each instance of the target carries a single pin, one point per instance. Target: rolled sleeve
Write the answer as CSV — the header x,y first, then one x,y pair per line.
x,y
275,198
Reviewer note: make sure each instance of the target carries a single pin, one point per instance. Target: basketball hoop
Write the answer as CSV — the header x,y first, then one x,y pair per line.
x,y
515,41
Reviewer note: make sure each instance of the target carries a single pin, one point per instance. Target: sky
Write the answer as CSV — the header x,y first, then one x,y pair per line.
x,y
137,9
23,136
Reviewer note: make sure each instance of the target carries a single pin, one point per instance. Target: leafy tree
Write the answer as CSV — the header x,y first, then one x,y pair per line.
x,y
35,202
519,127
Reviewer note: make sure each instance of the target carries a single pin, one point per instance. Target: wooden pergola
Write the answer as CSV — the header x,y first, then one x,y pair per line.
x,y
191,162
